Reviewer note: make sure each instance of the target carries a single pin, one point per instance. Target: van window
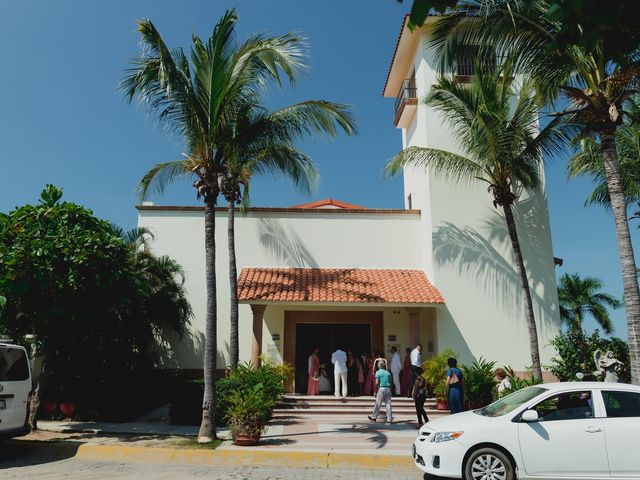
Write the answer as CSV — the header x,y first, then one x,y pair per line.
x,y
13,365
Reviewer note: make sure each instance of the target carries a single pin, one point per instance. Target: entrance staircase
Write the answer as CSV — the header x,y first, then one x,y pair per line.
x,y
329,407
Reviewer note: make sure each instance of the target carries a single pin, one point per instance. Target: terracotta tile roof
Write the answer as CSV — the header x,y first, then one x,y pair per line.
x,y
327,203
334,285
395,51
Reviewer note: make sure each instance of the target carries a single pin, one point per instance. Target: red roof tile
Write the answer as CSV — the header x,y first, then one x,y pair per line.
x,y
328,202
333,285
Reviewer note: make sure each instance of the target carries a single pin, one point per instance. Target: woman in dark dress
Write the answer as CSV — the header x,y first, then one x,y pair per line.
x,y
419,394
352,375
455,386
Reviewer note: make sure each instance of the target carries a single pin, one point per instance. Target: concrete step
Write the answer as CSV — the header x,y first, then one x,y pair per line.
x,y
350,411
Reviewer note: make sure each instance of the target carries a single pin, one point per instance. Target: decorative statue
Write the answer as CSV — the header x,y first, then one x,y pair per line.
x,y
607,366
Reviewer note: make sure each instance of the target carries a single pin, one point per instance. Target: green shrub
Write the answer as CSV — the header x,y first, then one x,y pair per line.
x,y
247,410
575,354
518,383
434,370
479,381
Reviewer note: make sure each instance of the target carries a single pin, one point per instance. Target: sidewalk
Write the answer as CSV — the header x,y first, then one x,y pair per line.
x,y
300,441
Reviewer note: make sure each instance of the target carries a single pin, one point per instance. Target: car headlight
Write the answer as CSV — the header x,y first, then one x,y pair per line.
x,y
440,437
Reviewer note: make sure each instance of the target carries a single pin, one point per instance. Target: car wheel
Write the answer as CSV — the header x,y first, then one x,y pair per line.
x,y
488,464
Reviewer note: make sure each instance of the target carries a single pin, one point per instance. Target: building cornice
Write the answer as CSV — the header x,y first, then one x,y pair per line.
x,y
305,211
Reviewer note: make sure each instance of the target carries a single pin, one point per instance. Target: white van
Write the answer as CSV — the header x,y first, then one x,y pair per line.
x,y
15,391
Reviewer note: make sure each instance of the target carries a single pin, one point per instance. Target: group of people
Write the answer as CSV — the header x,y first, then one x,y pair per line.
x,y
355,374
373,374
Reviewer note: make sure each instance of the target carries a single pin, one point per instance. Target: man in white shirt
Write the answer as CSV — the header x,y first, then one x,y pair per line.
x,y
396,368
339,360
416,364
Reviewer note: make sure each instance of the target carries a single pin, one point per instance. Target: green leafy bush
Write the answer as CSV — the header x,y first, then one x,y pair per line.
x,y
247,409
575,354
479,381
434,370
518,383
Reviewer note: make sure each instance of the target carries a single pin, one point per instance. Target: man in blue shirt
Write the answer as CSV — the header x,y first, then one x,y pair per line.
x,y
383,382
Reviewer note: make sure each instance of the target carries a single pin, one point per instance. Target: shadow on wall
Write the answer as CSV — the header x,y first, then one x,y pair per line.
x,y
177,352
284,244
474,255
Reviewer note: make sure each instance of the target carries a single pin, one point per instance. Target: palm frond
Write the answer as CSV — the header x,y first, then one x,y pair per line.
x,y
441,162
163,174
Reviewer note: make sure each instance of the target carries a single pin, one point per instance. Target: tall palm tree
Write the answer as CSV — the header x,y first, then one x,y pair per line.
x,y
596,82
589,161
497,130
581,296
193,96
263,142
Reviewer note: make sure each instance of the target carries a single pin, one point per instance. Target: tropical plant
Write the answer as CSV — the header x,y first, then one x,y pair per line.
x,y
196,97
575,351
435,369
518,383
479,381
581,296
97,315
246,411
596,81
589,160
502,146
262,142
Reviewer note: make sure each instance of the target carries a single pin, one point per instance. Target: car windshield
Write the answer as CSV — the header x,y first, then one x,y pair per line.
x,y
510,402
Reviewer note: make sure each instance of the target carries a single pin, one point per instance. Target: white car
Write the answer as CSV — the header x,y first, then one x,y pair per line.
x,y
585,430
15,391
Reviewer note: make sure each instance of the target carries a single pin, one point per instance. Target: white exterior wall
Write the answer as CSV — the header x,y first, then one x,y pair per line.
x,y
468,255
325,240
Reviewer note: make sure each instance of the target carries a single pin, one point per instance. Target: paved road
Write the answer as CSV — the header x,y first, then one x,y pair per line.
x,y
27,462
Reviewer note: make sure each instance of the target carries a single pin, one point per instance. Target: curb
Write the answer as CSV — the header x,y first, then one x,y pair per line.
x,y
225,457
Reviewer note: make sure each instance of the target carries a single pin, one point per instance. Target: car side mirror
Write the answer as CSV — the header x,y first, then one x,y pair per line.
x,y
530,416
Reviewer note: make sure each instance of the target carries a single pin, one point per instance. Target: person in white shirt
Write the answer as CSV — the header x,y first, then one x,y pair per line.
x,y
396,368
339,360
416,363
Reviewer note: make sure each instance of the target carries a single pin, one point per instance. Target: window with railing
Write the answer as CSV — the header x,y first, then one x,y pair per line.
x,y
472,58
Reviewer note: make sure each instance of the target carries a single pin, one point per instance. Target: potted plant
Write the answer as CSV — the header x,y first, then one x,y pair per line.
x,y
440,391
247,413
434,370
479,381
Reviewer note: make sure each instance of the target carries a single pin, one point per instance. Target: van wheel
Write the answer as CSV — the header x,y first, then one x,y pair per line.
x,y
488,464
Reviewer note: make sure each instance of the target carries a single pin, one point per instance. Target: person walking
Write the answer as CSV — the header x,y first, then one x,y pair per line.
x,y
339,360
455,386
396,368
377,364
383,383
416,364
419,394
313,385
405,382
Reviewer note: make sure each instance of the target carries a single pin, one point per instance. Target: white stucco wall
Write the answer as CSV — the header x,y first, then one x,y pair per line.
x,y
468,255
274,239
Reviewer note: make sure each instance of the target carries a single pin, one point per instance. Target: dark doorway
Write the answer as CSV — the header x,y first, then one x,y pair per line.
x,y
327,337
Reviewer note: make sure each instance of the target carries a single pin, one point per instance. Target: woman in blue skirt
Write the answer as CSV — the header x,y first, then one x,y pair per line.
x,y
455,386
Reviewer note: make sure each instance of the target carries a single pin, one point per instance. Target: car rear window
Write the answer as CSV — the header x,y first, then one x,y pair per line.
x,y
13,365
621,404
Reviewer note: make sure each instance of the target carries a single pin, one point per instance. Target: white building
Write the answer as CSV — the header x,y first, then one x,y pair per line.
x,y
439,272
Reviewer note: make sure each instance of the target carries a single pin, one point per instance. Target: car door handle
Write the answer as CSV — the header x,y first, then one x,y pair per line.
x,y
592,429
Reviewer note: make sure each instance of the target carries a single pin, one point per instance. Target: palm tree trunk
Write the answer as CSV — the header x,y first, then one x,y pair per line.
x,y
207,431
625,250
233,283
526,291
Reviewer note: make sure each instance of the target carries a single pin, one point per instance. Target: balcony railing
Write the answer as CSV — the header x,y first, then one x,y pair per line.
x,y
408,94
468,62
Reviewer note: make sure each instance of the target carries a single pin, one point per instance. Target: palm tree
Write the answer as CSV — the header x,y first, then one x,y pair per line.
x,y
497,131
596,82
589,160
193,96
262,142
581,296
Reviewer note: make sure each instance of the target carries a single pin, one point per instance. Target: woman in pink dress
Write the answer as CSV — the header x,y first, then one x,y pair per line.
x,y
313,385
405,379
368,381
361,370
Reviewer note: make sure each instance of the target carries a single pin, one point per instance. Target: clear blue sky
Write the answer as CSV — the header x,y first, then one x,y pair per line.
x,y
63,121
